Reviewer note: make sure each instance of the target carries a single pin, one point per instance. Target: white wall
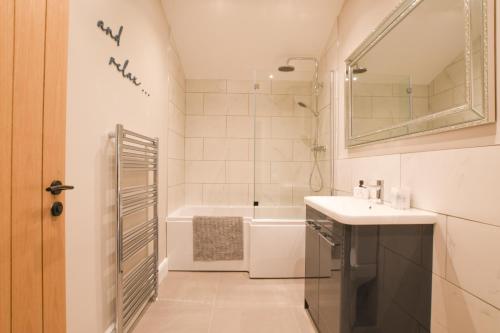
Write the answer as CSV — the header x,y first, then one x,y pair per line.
x,y
455,174
98,98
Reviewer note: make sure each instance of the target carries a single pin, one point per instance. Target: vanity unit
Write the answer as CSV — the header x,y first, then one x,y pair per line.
x,y
368,267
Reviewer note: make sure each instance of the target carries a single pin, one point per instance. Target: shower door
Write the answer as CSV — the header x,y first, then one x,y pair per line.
x,y
283,105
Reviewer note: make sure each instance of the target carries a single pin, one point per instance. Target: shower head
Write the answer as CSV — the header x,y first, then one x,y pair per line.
x,y
286,68
303,105
290,68
358,70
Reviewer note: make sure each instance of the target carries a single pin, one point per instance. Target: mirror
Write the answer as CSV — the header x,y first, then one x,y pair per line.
x,y
425,69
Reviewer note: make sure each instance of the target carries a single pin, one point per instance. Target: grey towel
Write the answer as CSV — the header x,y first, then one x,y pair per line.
x,y
217,238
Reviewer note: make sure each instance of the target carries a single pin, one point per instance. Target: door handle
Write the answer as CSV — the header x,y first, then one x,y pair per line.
x,y
56,187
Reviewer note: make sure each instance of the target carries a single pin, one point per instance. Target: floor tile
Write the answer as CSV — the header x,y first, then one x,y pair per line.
x,y
205,302
188,286
178,317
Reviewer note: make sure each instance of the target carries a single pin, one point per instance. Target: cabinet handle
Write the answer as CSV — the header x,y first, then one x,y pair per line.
x,y
322,235
313,225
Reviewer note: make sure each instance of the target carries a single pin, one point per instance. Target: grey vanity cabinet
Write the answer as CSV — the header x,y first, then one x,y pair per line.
x,y
368,278
312,271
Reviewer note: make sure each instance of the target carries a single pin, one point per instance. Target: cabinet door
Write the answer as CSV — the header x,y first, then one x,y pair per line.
x,y
329,285
312,272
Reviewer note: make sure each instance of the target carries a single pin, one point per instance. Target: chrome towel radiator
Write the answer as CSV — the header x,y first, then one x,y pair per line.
x,y
136,226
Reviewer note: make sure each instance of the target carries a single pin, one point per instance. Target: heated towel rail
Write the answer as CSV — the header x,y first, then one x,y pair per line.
x,y
136,226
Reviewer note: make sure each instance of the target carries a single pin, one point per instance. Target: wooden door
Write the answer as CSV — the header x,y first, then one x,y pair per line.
x,y
33,57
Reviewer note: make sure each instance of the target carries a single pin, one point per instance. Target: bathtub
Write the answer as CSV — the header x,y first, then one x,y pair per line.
x,y
273,247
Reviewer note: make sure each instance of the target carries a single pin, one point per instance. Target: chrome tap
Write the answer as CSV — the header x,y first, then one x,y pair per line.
x,y
378,188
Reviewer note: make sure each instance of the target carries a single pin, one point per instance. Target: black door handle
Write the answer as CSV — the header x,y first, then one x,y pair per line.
x,y
56,187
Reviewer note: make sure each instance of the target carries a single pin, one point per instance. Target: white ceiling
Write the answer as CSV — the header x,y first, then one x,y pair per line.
x,y
233,38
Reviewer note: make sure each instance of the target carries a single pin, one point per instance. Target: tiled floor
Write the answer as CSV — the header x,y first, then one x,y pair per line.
x,y
227,302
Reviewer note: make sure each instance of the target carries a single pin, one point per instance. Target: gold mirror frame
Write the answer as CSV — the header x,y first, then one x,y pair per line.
x,y
487,115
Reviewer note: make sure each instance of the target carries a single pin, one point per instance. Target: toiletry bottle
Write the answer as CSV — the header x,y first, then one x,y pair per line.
x,y
360,191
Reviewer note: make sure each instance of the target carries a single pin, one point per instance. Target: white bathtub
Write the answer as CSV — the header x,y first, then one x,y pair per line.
x,y
273,247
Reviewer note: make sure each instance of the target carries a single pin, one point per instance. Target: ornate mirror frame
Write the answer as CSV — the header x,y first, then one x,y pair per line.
x,y
402,130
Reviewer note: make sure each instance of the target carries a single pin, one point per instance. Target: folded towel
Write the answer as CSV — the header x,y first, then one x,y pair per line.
x,y
217,238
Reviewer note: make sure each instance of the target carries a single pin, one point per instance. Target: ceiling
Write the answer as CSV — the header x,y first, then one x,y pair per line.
x,y
233,38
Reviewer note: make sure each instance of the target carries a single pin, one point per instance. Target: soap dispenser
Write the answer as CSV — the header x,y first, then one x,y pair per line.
x,y
361,191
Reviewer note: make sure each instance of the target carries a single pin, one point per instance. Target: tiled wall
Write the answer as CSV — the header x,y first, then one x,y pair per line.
x,y
176,140
454,174
221,133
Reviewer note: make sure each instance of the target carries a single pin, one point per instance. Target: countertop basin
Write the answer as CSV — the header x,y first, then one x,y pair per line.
x,y
353,211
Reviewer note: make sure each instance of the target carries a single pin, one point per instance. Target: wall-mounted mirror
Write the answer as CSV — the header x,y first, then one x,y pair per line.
x,y
427,68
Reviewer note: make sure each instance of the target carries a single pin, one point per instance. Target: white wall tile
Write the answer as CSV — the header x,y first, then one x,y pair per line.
x,y
238,172
302,150
240,127
177,95
291,87
237,149
205,126
175,172
206,86
175,198
214,149
262,172
194,103
215,104
175,145
439,251
239,194
194,149
472,262
247,86
262,127
274,105
176,120
215,194
296,173
205,171
343,175
370,169
273,194
273,150
291,127
238,104
459,182
240,86
299,192
220,149
456,311
194,194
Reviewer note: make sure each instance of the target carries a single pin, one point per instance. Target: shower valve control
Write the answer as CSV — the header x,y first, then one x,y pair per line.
x,y
319,149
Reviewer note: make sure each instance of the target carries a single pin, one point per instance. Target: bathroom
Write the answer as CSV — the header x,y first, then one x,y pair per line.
x,y
285,128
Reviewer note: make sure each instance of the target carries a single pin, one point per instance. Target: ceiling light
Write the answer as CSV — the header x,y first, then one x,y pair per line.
x,y
271,76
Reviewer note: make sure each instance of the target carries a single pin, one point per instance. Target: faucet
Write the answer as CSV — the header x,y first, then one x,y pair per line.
x,y
379,191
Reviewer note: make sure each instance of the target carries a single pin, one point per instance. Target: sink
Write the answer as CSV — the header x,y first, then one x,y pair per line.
x,y
354,211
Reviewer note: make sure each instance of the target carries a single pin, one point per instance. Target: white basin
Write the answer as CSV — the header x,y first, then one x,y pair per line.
x,y
353,211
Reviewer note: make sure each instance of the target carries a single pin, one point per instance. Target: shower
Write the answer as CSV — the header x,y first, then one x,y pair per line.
x,y
316,148
303,105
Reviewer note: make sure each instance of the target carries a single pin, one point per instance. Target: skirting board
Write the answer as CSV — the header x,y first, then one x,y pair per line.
x,y
162,274
110,329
